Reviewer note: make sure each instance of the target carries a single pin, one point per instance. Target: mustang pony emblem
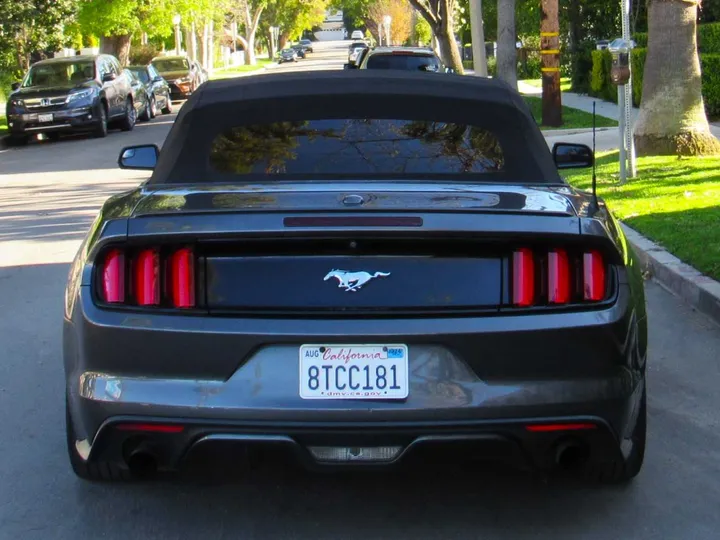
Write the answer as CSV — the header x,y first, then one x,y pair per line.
x,y
353,281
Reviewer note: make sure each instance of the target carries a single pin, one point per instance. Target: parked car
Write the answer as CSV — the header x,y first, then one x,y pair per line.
x,y
204,74
432,282
299,51
141,98
355,49
182,74
287,55
357,34
73,94
399,58
307,45
156,87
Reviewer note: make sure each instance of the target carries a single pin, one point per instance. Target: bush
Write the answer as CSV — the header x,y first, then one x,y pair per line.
x,y
641,40
600,84
531,67
492,66
638,70
711,83
709,38
581,67
141,56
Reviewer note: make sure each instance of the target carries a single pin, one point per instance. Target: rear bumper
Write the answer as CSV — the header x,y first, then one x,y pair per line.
x,y
235,381
511,442
79,119
180,92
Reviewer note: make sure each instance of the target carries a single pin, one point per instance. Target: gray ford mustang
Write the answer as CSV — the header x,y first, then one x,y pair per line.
x,y
361,269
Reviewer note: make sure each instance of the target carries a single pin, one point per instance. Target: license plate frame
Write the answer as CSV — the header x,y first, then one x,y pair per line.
x,y
353,371
45,118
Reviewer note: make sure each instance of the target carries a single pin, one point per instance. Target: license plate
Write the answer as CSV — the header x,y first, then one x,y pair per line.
x,y
354,371
45,117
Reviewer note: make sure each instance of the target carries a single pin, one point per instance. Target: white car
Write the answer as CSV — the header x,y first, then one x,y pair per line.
x,y
357,34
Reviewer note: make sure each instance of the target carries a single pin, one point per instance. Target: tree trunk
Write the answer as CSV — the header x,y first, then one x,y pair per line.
x,y
672,118
478,38
193,42
439,14
507,40
118,46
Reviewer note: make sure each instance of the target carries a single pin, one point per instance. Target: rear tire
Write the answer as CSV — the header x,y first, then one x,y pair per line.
x,y
94,472
128,121
623,472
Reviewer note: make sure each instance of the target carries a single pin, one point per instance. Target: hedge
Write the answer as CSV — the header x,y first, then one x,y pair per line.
x,y
709,38
711,83
601,86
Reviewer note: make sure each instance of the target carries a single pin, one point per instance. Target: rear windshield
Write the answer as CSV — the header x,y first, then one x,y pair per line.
x,y
357,148
166,65
140,73
410,62
60,73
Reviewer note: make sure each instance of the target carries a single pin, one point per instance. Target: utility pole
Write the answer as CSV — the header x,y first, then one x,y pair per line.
x,y
478,39
550,51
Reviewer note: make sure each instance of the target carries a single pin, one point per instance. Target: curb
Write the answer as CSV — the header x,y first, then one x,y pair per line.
x,y
577,131
681,279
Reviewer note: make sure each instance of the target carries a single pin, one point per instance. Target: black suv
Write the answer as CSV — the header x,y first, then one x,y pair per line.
x,y
70,94
398,58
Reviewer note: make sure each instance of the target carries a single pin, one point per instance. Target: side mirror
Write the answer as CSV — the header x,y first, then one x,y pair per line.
x,y
158,79
15,86
572,156
139,157
109,77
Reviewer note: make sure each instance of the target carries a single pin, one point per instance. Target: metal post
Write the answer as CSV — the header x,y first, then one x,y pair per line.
x,y
626,111
478,39
623,140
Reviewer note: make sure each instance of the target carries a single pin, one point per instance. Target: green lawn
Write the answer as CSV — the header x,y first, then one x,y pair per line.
x,y
674,202
239,70
565,83
572,118
3,125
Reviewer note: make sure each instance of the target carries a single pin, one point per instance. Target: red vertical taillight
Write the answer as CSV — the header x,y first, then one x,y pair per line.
x,y
593,276
147,278
558,277
182,278
113,277
523,282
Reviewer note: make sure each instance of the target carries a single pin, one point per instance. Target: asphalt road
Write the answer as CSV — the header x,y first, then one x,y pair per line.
x,y
48,195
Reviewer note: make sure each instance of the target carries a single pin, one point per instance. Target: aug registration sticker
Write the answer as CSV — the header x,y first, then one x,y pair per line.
x,y
354,371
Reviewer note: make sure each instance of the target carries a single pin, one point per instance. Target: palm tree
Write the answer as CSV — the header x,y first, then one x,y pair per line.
x,y
672,118
507,39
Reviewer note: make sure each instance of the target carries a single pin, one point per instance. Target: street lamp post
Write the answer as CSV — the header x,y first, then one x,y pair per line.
x,y
176,21
387,20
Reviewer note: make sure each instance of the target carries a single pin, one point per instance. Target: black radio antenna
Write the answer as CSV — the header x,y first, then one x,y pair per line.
x,y
594,168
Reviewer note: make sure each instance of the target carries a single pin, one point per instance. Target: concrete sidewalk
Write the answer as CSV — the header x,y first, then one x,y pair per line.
x,y
585,103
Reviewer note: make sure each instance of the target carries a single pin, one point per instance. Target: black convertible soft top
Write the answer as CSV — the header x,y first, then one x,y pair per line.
x,y
287,97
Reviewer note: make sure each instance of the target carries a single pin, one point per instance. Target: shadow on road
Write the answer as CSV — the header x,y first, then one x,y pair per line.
x,y
81,152
54,212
